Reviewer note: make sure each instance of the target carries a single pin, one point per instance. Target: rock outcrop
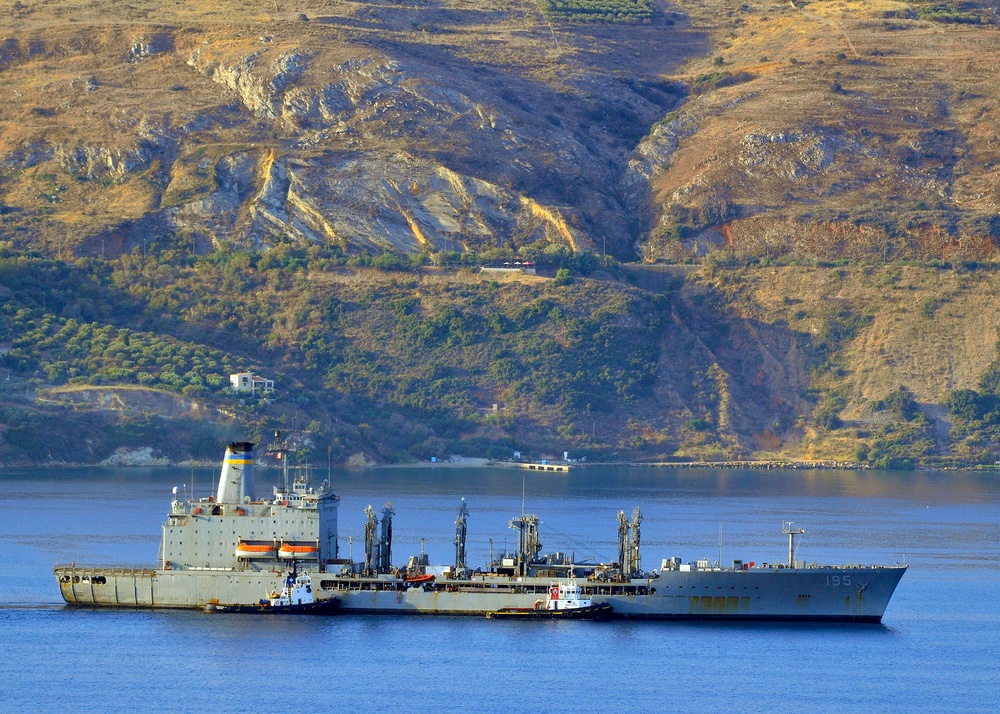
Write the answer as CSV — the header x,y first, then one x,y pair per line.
x,y
325,132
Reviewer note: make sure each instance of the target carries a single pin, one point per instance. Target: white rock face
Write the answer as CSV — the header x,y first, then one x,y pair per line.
x,y
791,154
397,202
383,200
134,457
94,162
147,46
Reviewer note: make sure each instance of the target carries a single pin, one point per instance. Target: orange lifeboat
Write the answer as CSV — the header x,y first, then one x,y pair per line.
x,y
299,551
254,550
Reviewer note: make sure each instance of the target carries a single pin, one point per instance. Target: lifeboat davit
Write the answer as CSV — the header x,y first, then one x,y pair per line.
x,y
255,550
299,551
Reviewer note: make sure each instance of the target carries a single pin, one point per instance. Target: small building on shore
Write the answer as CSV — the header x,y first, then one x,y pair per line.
x,y
248,382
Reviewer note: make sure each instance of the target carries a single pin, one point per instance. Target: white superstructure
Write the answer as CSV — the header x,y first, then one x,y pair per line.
x,y
229,547
234,530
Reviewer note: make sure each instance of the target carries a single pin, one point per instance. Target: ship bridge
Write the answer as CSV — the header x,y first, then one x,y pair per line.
x,y
233,530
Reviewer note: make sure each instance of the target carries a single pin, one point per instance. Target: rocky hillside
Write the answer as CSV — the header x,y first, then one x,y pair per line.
x,y
231,186
834,129
416,127
868,335
829,128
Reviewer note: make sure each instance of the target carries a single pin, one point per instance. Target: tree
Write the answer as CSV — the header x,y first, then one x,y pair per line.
x,y
964,404
901,404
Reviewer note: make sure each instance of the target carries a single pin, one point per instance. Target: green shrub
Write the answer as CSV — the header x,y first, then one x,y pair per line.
x,y
953,13
901,404
597,10
712,80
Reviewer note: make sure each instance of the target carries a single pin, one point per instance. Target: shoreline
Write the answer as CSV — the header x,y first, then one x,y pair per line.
x,y
472,462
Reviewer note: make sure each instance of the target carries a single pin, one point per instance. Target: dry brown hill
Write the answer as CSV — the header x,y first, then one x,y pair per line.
x,y
829,128
418,126
837,129
859,132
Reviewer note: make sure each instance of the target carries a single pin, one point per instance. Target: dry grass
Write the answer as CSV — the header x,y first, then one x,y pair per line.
x,y
881,93
875,89
72,80
931,330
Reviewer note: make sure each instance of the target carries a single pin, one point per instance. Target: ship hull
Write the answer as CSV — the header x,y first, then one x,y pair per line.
x,y
145,588
811,594
588,612
320,607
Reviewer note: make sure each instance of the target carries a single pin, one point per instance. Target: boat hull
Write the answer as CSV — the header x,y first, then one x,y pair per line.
x,y
145,588
603,611
765,594
320,607
811,594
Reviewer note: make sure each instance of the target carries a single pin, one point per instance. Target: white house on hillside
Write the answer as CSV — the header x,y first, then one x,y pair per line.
x,y
250,382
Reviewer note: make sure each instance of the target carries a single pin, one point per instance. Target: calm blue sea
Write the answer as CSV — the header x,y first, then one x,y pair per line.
x,y
938,649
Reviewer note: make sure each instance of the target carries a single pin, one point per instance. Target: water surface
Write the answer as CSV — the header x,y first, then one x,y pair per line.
x,y
937,649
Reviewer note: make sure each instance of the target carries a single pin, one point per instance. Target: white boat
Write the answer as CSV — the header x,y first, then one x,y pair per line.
x,y
564,601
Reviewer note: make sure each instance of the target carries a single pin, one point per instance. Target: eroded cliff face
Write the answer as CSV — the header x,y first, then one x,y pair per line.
x,y
436,129
854,130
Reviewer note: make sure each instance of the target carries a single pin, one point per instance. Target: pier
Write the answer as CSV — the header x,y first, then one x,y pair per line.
x,y
560,468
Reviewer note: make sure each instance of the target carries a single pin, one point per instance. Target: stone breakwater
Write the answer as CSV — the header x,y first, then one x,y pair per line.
x,y
737,464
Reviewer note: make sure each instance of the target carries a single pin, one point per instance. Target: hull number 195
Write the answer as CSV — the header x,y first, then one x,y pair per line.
x,y
837,580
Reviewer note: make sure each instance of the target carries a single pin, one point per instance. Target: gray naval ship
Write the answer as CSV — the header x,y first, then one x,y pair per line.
x,y
231,548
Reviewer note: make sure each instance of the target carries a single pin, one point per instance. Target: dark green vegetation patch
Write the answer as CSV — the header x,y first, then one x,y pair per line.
x,y
597,10
963,13
391,366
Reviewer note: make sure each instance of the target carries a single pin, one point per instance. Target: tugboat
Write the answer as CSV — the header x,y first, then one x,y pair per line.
x,y
563,602
295,598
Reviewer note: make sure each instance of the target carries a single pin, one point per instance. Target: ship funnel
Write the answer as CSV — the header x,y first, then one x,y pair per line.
x,y
236,479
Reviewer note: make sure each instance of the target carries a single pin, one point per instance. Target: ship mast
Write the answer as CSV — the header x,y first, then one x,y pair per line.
x,y
628,544
385,539
461,529
623,550
636,569
280,450
528,545
371,525
791,533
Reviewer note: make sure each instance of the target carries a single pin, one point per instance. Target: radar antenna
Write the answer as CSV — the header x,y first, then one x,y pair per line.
x,y
279,447
791,533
